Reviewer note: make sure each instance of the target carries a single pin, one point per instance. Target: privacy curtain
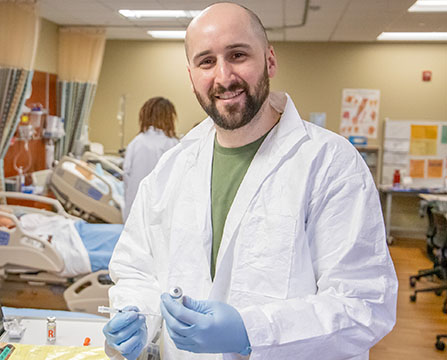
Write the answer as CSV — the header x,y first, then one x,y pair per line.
x,y
81,50
19,30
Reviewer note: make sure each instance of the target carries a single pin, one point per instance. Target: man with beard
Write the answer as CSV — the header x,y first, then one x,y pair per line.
x,y
271,226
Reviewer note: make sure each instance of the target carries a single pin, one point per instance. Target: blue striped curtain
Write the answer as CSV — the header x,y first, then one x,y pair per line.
x,y
75,100
19,31
14,84
81,50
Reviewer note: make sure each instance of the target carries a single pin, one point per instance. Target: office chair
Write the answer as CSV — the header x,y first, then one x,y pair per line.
x,y
436,251
440,345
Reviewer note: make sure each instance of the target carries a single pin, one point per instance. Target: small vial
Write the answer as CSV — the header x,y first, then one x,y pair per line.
x,y
51,329
176,293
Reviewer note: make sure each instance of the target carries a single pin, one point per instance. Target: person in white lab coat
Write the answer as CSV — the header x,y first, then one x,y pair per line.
x,y
157,135
290,264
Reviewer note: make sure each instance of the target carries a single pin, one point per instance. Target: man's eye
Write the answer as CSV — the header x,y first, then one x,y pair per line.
x,y
206,62
238,55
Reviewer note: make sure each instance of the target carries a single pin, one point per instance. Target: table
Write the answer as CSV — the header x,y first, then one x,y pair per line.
x,y
434,197
71,327
69,332
389,191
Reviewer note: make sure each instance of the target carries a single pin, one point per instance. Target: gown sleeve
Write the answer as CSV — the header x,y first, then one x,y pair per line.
x,y
355,302
132,266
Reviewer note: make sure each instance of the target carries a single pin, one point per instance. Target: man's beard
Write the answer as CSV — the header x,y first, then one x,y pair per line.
x,y
235,115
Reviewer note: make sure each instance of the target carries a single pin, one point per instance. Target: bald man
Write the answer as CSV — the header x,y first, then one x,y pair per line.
x,y
271,226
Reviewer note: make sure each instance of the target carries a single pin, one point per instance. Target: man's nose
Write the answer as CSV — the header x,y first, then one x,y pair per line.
x,y
223,73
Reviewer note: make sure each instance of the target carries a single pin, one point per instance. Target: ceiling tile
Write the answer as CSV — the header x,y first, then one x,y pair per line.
x,y
330,20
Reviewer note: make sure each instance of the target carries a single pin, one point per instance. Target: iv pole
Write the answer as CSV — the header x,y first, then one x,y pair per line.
x,y
121,116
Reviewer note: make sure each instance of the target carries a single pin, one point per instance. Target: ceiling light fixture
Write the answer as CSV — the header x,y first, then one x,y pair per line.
x,y
413,36
138,14
429,6
167,34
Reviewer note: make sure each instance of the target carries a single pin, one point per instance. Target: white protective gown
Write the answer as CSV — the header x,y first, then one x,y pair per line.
x,y
303,255
142,154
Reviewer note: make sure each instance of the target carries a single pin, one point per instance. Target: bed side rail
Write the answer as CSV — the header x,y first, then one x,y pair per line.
x,y
71,189
20,248
88,292
57,206
104,198
93,156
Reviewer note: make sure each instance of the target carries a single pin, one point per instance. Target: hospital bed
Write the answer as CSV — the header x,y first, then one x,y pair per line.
x,y
27,258
86,193
107,164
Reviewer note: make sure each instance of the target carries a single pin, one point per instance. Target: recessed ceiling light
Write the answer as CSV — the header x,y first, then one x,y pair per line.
x,y
167,34
138,14
413,36
429,6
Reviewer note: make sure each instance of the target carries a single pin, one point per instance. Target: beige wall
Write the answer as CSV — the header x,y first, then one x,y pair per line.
x,y
47,47
314,74
140,70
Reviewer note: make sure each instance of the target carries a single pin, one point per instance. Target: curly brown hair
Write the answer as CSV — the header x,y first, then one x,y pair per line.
x,y
159,113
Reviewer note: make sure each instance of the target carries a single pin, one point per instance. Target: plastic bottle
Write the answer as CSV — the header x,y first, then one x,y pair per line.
x,y
176,293
396,178
51,329
49,154
20,180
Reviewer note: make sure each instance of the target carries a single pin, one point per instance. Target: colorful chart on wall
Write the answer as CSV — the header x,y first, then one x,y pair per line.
x,y
418,149
360,112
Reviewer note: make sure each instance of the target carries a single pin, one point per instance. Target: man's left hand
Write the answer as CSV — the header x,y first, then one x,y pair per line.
x,y
204,326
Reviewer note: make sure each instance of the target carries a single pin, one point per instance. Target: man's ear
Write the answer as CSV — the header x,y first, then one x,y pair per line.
x,y
272,64
190,78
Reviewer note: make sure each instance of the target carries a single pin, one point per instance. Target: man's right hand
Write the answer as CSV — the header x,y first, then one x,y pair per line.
x,y
127,332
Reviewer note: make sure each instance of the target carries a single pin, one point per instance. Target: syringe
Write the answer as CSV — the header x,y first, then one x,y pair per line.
x,y
175,292
111,310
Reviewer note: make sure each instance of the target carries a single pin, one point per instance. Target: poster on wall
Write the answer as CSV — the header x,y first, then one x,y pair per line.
x,y
424,140
360,112
418,149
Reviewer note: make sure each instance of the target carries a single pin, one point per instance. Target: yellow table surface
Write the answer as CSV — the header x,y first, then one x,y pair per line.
x,y
50,352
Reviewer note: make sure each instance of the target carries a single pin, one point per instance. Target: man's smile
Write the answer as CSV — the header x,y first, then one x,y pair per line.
x,y
229,95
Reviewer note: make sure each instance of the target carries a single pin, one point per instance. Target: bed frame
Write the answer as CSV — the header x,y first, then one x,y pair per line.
x,y
20,261
91,157
88,292
82,199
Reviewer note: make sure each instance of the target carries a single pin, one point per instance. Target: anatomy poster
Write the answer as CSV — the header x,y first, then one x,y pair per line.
x,y
360,112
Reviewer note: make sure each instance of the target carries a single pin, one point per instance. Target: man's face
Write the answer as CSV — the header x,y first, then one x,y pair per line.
x,y
235,114
229,70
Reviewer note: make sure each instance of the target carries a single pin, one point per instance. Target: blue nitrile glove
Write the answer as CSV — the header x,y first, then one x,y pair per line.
x,y
204,326
127,332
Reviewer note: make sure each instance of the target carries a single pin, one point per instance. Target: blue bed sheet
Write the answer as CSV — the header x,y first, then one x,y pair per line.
x,y
99,240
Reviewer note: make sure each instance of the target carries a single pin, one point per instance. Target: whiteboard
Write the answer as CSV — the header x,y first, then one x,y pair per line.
x,y
418,148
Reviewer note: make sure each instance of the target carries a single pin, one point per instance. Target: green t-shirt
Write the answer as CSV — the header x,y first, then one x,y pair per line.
x,y
229,168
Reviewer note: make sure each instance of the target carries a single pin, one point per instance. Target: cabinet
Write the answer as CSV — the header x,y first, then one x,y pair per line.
x,y
371,155
43,92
